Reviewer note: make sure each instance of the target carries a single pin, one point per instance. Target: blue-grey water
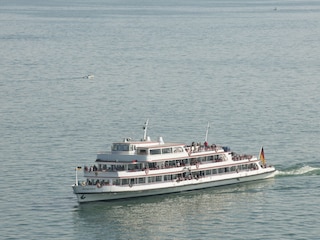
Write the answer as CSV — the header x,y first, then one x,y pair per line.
x,y
250,68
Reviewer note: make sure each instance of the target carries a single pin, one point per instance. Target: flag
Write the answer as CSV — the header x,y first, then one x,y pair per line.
x,y
261,156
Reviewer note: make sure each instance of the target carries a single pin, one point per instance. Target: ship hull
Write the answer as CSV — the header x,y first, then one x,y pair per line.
x,y
107,193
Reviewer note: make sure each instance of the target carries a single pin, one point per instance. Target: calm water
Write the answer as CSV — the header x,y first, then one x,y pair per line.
x,y
248,68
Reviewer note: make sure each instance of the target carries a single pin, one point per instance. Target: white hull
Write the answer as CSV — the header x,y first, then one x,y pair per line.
x,y
105,193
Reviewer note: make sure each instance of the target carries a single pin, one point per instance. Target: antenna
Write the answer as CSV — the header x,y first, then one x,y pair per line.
x,y
145,128
208,126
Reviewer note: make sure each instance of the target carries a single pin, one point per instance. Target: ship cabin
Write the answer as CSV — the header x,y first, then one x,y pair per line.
x,y
128,150
131,162
134,156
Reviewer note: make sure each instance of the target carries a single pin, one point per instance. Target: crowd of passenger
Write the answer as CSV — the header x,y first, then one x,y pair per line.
x,y
238,157
199,147
186,175
194,147
152,165
190,176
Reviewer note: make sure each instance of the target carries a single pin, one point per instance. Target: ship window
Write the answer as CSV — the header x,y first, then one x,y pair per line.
x,y
193,161
185,162
132,181
142,180
158,178
151,179
125,181
208,172
155,151
168,177
116,182
166,150
124,147
218,158
172,163
142,151
177,149
132,167
120,147
151,165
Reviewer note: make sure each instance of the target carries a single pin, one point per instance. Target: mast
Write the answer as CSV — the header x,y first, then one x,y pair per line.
x,y
76,177
208,126
77,169
145,128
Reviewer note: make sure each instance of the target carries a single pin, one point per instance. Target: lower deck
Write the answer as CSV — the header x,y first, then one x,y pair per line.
x,y
185,174
111,192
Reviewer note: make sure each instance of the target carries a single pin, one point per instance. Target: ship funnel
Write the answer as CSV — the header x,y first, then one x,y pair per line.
x,y
160,140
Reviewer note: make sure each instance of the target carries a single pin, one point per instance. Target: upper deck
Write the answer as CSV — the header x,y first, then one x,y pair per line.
x,y
142,151
145,151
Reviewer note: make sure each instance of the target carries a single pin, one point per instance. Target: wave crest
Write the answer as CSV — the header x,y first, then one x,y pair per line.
x,y
299,170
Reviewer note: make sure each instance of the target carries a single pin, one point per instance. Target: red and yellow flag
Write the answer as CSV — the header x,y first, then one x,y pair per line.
x,y
261,156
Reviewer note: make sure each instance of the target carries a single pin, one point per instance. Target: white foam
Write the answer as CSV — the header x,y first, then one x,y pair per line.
x,y
299,171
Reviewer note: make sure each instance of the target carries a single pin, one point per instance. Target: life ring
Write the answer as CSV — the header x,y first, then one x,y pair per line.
x,y
146,171
99,185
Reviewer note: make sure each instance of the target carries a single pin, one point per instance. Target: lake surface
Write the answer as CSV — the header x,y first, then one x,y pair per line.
x,y
250,68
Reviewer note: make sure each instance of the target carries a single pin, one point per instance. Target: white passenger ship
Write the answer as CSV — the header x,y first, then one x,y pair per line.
x,y
145,168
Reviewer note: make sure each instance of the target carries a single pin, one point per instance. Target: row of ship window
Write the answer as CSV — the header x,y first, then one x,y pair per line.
x,y
135,166
182,176
143,151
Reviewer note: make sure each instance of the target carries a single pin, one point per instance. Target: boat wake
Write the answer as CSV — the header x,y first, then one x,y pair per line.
x,y
299,170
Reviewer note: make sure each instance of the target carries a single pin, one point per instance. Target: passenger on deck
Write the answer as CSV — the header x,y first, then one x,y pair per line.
x,y
193,146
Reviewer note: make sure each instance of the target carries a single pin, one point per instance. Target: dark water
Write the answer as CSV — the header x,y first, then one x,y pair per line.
x,y
251,68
